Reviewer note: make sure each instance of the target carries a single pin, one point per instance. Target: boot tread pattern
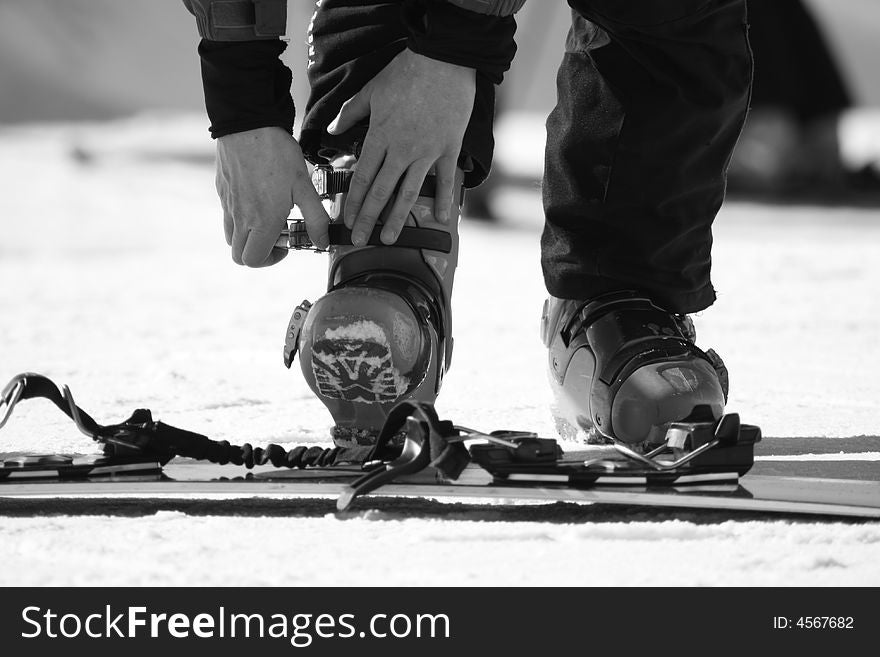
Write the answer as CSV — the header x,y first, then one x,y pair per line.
x,y
356,368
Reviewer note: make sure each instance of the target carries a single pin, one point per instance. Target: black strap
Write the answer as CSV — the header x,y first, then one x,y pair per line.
x,y
329,182
35,386
411,237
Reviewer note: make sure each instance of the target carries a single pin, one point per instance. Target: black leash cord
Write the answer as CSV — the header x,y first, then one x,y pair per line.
x,y
223,452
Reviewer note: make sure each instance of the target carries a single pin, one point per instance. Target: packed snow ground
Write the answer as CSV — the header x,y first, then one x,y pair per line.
x,y
115,279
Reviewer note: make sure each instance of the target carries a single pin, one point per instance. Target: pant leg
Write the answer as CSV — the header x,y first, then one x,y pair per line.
x,y
652,97
350,42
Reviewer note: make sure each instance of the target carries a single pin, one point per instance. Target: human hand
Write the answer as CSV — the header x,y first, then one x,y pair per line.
x,y
419,109
261,174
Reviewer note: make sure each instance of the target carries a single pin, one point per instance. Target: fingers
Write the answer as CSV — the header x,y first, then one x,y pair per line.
x,y
253,247
445,189
226,204
375,201
275,256
365,171
353,110
317,220
223,192
406,197
228,224
239,239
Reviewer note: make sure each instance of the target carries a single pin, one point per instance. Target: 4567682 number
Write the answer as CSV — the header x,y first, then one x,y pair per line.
x,y
814,623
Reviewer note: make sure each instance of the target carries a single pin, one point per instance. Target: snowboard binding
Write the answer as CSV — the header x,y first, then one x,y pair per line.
x,y
382,333
692,453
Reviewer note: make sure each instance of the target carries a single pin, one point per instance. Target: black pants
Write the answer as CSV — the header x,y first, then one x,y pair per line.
x,y
652,95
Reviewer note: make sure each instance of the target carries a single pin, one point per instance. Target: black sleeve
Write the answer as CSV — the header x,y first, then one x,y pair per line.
x,y
442,31
247,86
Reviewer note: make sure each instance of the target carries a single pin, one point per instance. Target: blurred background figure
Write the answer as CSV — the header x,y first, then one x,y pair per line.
x,y
804,133
814,130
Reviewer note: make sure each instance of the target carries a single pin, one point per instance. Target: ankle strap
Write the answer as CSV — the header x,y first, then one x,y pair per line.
x,y
329,182
411,237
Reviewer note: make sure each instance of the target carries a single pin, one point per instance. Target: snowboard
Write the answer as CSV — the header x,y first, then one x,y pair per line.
x,y
702,464
185,478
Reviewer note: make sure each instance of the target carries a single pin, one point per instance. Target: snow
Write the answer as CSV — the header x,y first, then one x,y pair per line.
x,y
842,456
117,281
178,549
362,330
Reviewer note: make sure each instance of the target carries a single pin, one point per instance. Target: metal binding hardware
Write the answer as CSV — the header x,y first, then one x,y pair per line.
x,y
329,182
519,446
679,436
296,238
503,438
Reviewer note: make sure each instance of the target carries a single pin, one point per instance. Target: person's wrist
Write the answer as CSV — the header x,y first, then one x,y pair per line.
x,y
246,85
448,33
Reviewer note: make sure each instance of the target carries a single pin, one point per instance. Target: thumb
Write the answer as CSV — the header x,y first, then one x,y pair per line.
x,y
353,110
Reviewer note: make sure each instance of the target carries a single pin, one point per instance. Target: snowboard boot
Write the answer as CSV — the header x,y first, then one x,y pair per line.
x,y
382,333
622,369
